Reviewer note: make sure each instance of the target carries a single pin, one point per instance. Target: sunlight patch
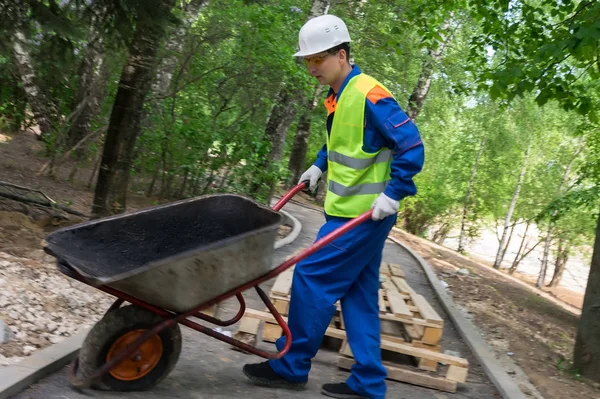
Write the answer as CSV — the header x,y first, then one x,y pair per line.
x,y
4,138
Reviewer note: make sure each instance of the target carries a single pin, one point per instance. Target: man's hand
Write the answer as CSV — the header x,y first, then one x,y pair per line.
x,y
384,206
312,174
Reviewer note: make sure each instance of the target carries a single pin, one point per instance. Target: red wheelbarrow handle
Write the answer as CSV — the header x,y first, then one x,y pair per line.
x,y
323,241
285,199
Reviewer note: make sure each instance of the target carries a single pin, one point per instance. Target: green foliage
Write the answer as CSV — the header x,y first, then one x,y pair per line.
x,y
544,47
204,133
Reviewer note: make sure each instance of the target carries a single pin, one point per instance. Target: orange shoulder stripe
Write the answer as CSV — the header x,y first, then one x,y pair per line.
x,y
377,93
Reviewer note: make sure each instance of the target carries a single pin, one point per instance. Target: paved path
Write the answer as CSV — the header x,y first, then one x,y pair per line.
x,y
210,369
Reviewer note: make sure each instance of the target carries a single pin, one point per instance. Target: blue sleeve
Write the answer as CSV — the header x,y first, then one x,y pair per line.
x,y
397,132
321,161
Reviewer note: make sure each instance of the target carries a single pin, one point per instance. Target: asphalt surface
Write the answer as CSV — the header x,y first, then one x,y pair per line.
x,y
208,368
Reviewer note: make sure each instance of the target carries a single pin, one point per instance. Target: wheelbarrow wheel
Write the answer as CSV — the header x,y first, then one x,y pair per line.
x,y
153,361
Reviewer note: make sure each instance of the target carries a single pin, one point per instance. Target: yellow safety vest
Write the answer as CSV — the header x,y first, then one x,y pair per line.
x,y
355,178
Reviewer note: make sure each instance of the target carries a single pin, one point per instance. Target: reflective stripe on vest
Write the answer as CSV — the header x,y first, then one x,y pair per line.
x,y
355,177
360,189
358,163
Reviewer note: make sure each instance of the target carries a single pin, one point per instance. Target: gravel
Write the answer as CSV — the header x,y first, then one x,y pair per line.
x,y
39,306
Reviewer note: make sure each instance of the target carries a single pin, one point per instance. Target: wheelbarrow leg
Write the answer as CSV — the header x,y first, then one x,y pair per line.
x,y
286,329
226,323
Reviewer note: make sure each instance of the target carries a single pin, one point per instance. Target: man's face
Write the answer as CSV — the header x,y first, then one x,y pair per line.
x,y
326,67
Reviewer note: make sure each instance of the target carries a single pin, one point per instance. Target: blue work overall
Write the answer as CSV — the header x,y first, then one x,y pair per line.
x,y
346,270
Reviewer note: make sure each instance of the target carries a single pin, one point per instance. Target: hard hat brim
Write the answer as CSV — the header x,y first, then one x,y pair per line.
x,y
304,54
313,52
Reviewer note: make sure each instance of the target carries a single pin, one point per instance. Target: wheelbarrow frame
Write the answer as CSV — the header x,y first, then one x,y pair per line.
x,y
172,318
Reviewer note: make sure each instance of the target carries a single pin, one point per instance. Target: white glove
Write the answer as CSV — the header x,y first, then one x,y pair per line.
x,y
384,206
312,174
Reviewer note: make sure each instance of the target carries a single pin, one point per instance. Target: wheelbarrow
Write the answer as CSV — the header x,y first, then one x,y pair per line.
x,y
169,263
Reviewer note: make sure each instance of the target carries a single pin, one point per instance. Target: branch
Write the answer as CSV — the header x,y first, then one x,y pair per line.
x,y
572,17
531,249
3,183
183,86
46,204
555,63
76,146
591,64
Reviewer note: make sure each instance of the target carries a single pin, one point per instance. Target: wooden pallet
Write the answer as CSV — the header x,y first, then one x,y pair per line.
x,y
457,367
409,326
408,375
398,302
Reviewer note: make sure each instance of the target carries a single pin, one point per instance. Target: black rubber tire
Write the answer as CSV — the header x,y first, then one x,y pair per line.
x,y
101,337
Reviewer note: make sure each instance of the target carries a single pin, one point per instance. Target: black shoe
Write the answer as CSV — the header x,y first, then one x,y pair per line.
x,y
263,374
340,391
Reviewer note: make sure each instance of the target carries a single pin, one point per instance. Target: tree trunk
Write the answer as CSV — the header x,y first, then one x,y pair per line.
x,y
561,262
92,83
124,127
510,236
441,234
150,189
542,277
19,104
281,117
587,343
300,147
463,225
41,108
419,94
546,257
174,47
516,262
97,163
513,203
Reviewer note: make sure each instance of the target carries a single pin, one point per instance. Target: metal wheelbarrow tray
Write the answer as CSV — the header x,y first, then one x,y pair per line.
x,y
170,262
176,256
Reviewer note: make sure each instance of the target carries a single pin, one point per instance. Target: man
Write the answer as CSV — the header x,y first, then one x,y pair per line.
x,y
372,152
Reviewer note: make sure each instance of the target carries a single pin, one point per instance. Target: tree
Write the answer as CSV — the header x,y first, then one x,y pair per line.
x,y
92,79
548,240
587,343
436,52
513,203
43,110
463,225
124,126
300,146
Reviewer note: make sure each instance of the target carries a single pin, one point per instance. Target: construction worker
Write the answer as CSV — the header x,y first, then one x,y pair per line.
x,y
372,152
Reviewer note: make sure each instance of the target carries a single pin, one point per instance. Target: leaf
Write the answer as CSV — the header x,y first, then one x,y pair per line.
x,y
585,106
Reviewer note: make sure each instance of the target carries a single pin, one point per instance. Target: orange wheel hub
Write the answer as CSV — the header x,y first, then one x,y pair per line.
x,y
141,362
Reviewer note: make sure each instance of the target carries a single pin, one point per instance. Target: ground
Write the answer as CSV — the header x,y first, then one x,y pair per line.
x,y
513,319
209,369
539,333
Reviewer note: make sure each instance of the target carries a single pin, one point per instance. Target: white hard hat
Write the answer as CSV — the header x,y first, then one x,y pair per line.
x,y
320,34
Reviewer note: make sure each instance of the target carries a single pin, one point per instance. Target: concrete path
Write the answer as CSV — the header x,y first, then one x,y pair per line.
x,y
210,369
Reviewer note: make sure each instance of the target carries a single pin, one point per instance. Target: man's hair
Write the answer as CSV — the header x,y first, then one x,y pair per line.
x,y
343,46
